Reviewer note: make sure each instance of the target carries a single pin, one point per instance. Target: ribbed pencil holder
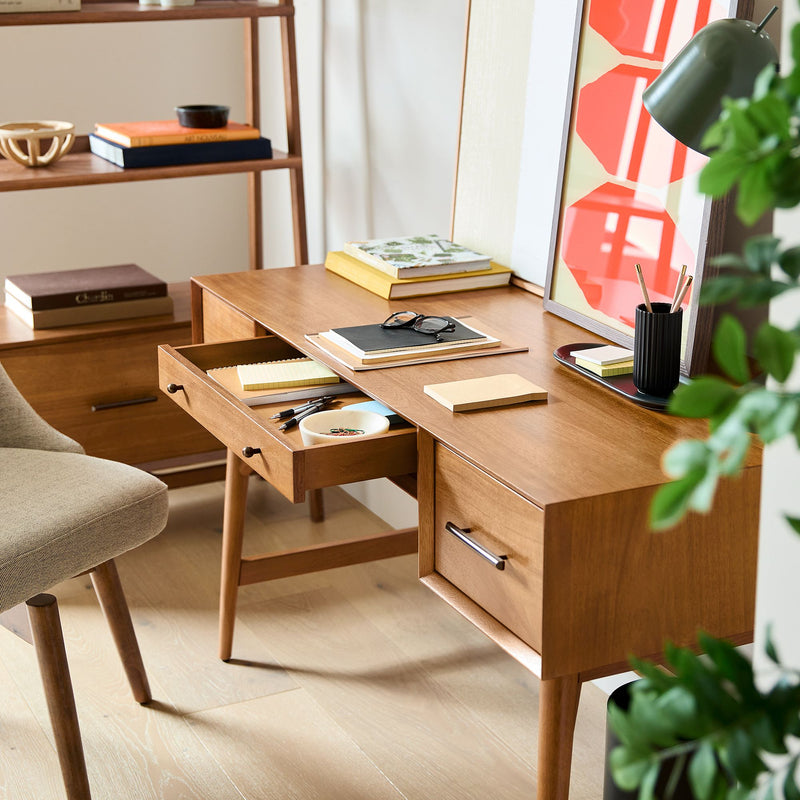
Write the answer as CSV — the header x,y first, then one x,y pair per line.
x,y
657,349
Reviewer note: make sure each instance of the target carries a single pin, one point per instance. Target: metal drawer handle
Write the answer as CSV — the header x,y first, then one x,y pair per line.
x,y
135,401
249,452
499,562
174,387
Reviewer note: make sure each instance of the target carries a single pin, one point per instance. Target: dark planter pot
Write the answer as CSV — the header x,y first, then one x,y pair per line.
x,y
621,697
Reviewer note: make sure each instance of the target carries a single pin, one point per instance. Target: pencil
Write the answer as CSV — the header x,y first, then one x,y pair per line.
x,y
676,304
678,285
643,288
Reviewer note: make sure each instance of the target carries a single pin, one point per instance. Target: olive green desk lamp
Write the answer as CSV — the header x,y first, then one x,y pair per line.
x,y
722,59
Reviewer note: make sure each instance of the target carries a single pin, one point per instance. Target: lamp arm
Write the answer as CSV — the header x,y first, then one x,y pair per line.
x,y
766,19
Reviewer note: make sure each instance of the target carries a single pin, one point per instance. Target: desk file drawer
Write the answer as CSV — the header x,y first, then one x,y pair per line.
x,y
283,460
103,392
500,523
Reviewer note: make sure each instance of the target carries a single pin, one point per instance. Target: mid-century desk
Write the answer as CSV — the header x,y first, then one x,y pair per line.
x,y
561,488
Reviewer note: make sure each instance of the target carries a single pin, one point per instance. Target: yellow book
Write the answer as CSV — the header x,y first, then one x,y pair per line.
x,y
389,288
287,372
606,370
146,133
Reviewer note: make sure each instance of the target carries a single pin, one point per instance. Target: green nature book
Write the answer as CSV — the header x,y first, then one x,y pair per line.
x,y
409,256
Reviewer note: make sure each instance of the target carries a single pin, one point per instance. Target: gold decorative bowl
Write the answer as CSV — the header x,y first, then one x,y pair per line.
x,y
23,142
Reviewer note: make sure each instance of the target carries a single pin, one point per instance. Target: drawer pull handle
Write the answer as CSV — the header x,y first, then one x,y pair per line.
x,y
135,401
174,387
249,452
499,562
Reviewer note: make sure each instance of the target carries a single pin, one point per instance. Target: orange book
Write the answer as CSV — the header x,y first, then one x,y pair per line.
x,y
170,131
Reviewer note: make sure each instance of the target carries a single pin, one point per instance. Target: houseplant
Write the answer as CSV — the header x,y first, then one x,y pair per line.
x,y
732,735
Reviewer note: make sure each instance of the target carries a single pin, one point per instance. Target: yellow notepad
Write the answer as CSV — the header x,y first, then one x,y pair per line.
x,y
288,372
488,392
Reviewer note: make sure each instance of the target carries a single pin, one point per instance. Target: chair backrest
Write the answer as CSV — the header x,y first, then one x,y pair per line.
x,y
21,426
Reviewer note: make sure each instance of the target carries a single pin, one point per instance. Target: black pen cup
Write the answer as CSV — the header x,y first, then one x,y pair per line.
x,y
657,349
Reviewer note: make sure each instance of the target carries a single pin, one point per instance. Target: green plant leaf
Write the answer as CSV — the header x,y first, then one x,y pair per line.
x,y
769,646
775,350
686,456
722,171
729,348
628,767
702,397
671,502
722,289
760,252
790,788
789,262
742,758
702,771
794,523
755,193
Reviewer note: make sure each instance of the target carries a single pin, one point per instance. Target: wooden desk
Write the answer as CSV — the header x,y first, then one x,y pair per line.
x,y
562,489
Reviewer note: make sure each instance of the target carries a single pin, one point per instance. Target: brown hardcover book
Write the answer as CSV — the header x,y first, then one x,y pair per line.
x,y
39,291
82,315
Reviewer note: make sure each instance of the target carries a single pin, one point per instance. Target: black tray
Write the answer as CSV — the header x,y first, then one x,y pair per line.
x,y
621,384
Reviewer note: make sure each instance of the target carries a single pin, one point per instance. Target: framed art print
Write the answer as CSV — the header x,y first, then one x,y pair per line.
x,y
628,190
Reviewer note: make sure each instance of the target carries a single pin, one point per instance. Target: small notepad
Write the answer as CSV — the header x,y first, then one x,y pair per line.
x,y
605,355
491,391
288,372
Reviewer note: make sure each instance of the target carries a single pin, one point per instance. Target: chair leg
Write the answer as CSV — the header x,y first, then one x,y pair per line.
x,y
108,588
49,643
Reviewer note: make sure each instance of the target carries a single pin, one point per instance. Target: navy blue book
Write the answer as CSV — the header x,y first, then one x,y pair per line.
x,y
164,155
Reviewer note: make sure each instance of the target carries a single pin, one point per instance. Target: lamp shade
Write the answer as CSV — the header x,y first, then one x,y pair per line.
x,y
722,59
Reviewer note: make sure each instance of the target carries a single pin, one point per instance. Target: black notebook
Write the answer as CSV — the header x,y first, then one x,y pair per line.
x,y
373,339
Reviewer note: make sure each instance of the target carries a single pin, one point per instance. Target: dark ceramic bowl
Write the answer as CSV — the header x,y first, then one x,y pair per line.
x,y
202,116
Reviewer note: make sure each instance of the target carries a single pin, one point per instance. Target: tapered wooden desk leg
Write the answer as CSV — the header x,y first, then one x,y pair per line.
x,y
236,481
49,643
558,708
316,506
108,589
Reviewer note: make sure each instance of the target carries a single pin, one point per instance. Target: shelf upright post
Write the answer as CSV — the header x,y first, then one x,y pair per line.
x,y
291,97
253,108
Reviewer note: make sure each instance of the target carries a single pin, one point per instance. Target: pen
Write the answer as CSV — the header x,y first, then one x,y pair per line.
x,y
290,423
290,412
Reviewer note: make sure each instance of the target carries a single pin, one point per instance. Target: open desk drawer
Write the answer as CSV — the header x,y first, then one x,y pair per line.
x,y
290,466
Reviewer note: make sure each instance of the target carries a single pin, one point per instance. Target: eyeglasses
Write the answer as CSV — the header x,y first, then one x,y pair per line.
x,y
431,326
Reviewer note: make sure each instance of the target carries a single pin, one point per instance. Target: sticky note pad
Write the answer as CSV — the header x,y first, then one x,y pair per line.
x,y
491,391
607,354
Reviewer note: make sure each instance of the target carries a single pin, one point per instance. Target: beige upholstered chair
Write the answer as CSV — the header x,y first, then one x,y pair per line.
x,y
66,513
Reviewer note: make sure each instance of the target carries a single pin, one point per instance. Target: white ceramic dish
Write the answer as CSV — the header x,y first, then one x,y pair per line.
x,y
341,424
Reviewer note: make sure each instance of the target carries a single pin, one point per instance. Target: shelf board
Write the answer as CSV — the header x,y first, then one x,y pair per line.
x,y
81,168
131,11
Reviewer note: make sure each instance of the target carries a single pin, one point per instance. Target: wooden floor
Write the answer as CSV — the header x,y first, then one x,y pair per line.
x,y
352,684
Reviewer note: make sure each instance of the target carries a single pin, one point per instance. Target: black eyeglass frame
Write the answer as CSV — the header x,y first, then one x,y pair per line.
x,y
421,323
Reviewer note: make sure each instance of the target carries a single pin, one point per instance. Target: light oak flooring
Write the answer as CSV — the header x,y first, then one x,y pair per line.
x,y
352,684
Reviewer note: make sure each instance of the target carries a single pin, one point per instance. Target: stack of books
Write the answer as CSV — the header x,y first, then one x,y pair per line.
x,y
414,266
163,143
372,344
80,296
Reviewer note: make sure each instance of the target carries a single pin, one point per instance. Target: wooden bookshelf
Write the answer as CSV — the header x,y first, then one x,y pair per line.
x,y
145,432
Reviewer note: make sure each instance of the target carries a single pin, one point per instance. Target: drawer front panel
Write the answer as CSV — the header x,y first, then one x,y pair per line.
x,y
499,523
284,461
105,395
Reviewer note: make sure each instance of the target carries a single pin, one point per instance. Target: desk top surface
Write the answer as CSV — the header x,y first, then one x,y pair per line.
x,y
584,441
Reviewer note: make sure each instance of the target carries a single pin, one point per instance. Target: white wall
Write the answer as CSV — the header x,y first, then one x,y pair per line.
x,y
400,64
778,595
